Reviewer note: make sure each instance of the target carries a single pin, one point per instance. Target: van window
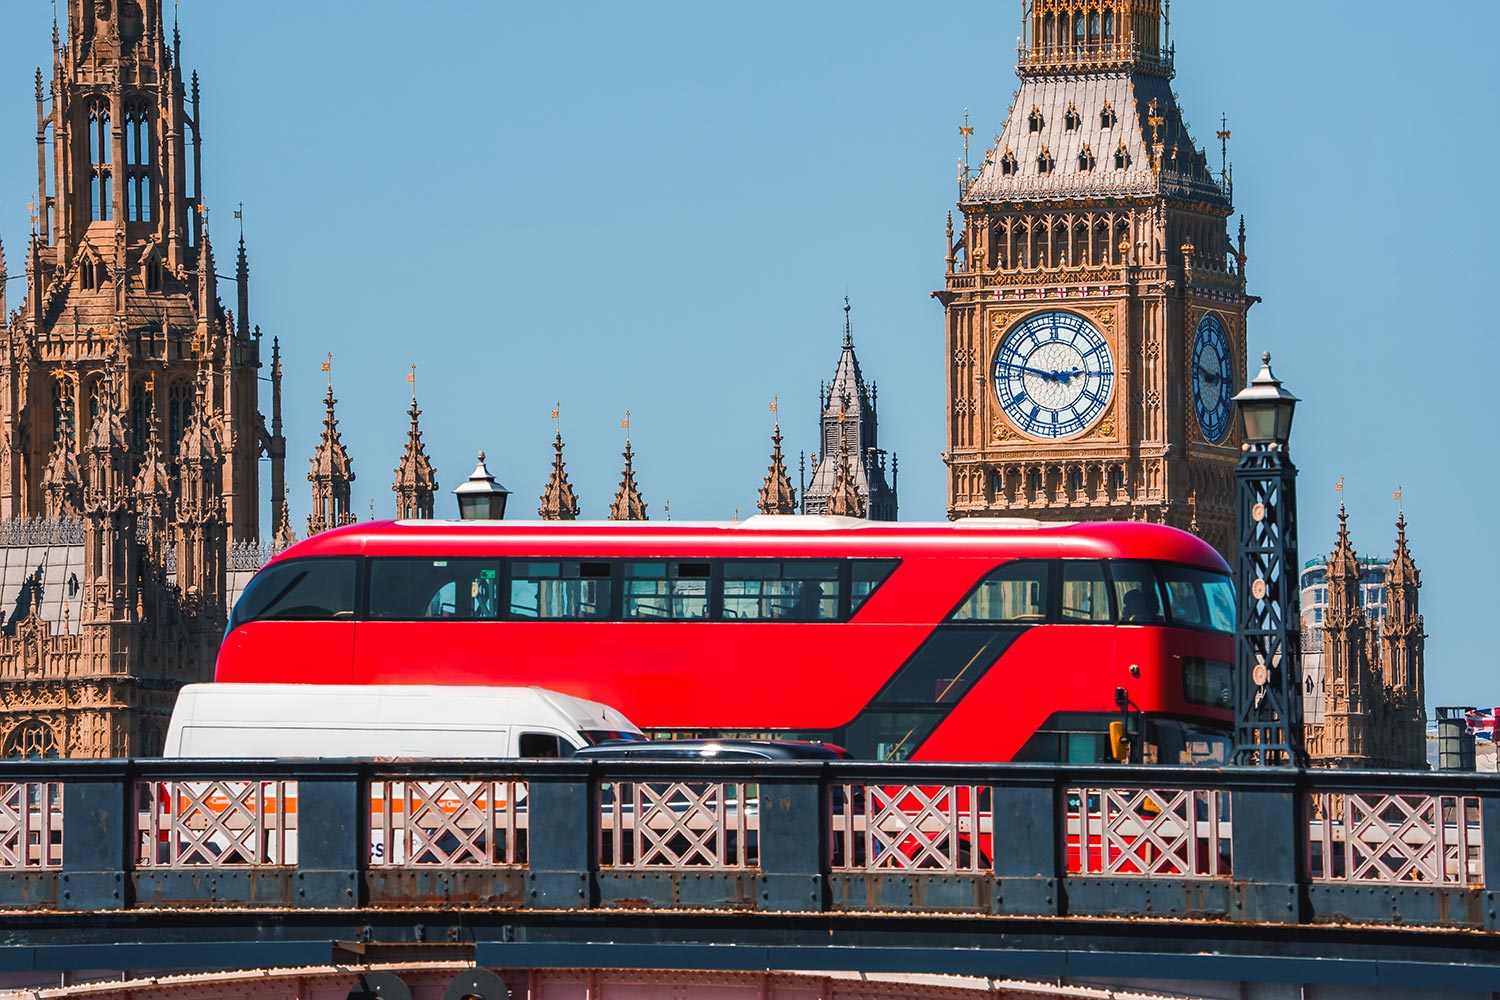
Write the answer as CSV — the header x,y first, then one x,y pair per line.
x,y
409,589
298,590
543,745
1016,592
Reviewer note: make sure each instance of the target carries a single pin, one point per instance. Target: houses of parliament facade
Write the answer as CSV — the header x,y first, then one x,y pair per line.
x,y
1095,309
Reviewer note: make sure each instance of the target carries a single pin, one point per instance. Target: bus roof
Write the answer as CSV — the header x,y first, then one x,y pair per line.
x,y
808,536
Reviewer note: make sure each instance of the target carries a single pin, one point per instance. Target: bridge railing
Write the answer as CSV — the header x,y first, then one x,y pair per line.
x,y
1242,845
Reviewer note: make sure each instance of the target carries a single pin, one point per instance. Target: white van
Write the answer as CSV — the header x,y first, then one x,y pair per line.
x,y
386,721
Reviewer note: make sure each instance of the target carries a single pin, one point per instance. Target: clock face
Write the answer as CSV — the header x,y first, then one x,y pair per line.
x,y
1213,379
1054,374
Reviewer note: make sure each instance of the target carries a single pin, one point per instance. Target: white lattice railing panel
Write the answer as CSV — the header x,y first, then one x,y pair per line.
x,y
1149,831
30,824
1407,839
937,828
225,823
447,824
677,825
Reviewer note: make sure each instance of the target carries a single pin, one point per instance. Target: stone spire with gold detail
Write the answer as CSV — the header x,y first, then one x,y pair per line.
x,y
628,505
331,474
844,500
416,481
776,494
558,500
1403,651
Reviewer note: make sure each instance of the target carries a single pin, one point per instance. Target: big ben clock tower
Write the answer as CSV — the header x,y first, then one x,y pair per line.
x,y
1095,304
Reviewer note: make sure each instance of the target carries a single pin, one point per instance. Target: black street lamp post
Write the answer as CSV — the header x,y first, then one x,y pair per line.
x,y
481,498
1268,695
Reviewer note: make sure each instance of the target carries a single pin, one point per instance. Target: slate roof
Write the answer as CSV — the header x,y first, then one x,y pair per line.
x,y
1129,95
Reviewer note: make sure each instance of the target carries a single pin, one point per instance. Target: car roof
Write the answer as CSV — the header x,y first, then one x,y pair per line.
x,y
715,750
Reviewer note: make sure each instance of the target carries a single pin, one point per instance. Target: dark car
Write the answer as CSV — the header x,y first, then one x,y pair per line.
x,y
713,750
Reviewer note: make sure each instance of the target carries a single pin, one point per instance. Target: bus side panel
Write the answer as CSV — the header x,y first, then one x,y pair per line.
x,y
288,652
705,675
1159,653
1047,668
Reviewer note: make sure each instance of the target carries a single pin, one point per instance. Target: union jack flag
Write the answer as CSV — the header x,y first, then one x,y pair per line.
x,y
1482,723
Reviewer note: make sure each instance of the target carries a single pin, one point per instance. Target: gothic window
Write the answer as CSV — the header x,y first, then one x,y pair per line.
x,y
1034,483
1072,120
1107,117
1035,121
1009,164
32,738
86,275
137,162
100,156
179,412
1086,158
1044,161
1122,157
1094,28
96,389
1075,481
151,273
1109,25
1078,31
1117,480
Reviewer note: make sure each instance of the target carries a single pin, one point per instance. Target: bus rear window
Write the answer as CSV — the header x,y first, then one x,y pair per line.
x,y
298,590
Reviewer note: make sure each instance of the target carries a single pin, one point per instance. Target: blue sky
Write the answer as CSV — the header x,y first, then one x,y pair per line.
x,y
660,207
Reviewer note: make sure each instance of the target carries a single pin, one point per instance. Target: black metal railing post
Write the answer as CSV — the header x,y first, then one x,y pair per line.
x,y
333,837
794,837
1489,823
1027,845
1270,831
97,826
562,831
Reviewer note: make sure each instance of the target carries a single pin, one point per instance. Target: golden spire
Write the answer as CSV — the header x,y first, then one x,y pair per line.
x,y
559,503
776,494
628,504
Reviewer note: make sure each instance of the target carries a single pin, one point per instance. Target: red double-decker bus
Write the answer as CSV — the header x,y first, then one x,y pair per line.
x,y
980,640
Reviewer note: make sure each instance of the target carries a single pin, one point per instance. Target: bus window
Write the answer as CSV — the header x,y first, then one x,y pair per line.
x,y
793,589
411,589
298,590
864,576
559,589
666,590
1137,593
1085,597
1016,592
1199,599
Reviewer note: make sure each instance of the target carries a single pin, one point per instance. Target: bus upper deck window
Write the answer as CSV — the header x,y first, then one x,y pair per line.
x,y
1085,597
1199,599
552,589
781,589
1137,592
298,590
864,576
1016,592
412,589
666,590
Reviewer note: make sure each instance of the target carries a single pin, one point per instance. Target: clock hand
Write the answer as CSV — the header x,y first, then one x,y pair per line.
x,y
1049,376
1213,378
